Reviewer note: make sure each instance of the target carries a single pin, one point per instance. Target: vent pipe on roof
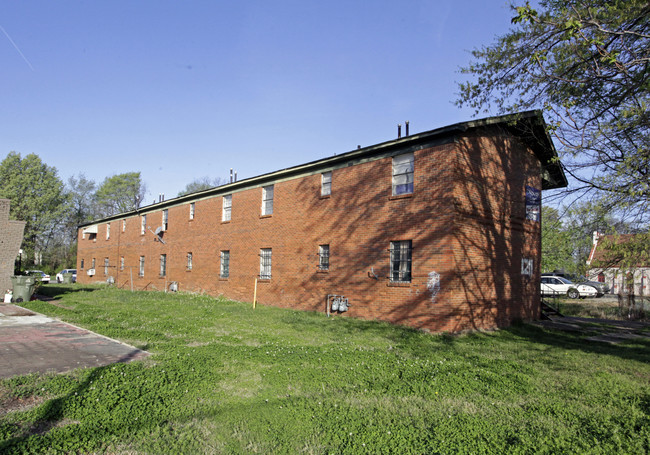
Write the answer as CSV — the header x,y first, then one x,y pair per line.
x,y
407,128
399,130
163,197
230,175
235,176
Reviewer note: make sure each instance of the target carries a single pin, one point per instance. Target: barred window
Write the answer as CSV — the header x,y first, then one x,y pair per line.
x,y
326,184
163,264
227,208
189,261
400,261
165,219
225,264
403,174
267,200
324,257
265,263
141,272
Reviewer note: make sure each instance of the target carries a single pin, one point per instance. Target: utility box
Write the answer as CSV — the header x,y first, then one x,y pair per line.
x,y
23,288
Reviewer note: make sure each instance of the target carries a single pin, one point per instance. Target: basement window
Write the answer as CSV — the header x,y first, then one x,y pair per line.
x,y
403,167
400,261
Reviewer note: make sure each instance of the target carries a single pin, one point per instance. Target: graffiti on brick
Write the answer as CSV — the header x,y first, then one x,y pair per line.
x,y
433,285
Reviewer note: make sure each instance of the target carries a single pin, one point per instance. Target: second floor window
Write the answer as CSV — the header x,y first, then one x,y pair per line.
x,y
227,208
108,231
326,184
403,174
267,200
265,264
143,224
192,207
165,219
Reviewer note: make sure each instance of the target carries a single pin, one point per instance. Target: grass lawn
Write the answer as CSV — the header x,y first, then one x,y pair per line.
x,y
225,378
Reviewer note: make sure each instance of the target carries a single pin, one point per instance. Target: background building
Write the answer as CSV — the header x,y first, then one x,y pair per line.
x,y
439,230
11,237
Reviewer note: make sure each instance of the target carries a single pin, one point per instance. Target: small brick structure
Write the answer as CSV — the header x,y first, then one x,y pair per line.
x,y
436,230
11,237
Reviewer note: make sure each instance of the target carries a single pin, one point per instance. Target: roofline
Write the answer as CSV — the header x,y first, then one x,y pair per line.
x,y
528,125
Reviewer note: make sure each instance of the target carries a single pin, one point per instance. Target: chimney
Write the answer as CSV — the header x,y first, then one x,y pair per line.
x,y
407,128
399,130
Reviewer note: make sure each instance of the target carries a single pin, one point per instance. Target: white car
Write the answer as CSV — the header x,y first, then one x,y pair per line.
x,y
558,286
59,276
39,275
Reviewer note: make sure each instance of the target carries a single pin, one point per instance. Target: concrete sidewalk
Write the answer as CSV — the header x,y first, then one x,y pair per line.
x,y
33,343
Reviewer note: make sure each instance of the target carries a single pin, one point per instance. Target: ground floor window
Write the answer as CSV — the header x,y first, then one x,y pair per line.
x,y
225,264
323,257
265,264
141,272
189,261
400,261
105,266
163,264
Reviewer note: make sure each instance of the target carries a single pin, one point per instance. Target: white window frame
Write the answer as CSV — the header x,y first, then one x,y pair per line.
x,y
224,272
163,265
143,224
267,200
265,263
122,263
165,219
403,174
324,257
401,258
226,208
141,270
192,208
108,231
326,183
106,264
123,225
189,260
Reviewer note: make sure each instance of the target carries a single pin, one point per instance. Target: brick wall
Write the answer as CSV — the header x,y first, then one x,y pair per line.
x,y
11,237
465,219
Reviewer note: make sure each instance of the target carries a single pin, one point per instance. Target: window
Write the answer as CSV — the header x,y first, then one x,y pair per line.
x,y
403,174
163,264
226,208
82,264
165,219
105,266
123,225
92,236
400,261
225,264
323,257
326,184
141,272
143,225
189,261
108,231
265,263
192,211
93,264
122,263
267,200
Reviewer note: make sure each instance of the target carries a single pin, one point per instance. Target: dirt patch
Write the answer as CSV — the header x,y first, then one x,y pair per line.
x,y
8,309
14,404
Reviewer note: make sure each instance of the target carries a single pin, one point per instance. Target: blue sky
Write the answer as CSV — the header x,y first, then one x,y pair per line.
x,y
182,90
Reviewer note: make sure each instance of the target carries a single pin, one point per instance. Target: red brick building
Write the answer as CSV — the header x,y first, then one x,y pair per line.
x,y
438,230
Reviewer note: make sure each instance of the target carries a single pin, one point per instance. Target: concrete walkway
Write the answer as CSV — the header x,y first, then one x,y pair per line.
x,y
33,343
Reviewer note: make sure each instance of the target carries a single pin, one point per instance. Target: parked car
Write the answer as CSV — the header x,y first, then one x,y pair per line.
x,y
602,288
39,275
59,276
560,286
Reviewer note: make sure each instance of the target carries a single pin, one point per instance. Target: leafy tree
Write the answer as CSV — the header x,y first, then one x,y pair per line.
x,y
587,64
37,197
200,184
557,248
120,193
81,200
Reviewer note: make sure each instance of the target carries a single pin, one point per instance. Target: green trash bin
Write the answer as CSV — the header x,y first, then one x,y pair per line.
x,y
23,288
67,278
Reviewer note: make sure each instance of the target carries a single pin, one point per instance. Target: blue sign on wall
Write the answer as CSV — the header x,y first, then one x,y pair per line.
x,y
533,203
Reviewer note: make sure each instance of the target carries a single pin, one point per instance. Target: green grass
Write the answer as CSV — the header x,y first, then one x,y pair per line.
x,y
225,378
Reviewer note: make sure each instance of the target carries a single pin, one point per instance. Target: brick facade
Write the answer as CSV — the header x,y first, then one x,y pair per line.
x,y
11,237
465,219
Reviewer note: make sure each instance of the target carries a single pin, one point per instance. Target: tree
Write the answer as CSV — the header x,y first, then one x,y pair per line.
x,y
587,64
81,204
557,248
200,184
120,193
37,197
